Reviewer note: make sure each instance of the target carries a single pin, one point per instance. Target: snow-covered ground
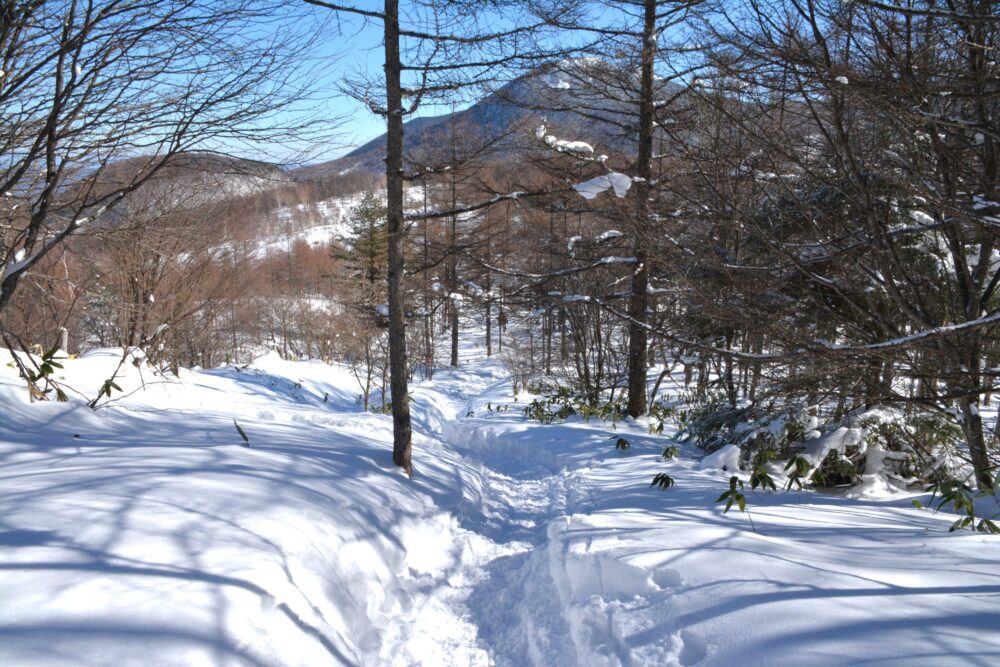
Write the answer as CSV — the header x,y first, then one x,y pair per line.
x,y
146,533
318,223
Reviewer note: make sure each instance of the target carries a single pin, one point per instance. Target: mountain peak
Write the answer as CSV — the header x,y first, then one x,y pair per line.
x,y
555,91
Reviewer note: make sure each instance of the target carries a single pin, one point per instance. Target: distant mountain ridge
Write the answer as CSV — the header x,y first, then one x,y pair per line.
x,y
507,118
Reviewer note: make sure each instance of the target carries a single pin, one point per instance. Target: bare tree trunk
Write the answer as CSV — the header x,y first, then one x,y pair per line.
x,y
547,341
428,310
489,315
968,404
402,433
500,324
727,373
563,347
453,319
667,370
453,248
638,304
972,428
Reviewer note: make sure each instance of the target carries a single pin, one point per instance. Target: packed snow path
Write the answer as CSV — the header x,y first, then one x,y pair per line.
x,y
146,534
610,572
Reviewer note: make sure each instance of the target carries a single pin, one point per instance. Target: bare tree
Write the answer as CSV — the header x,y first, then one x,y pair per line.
x,y
851,198
434,50
86,84
628,89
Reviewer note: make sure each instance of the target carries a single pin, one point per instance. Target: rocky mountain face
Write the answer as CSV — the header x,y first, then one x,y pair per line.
x,y
577,100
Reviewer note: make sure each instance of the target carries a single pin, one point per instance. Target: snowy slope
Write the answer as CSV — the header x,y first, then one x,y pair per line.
x,y
624,575
317,224
145,534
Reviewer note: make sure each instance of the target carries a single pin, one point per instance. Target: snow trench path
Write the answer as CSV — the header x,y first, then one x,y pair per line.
x,y
581,563
527,596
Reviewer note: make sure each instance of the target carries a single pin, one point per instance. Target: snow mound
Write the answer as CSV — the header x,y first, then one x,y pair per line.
x,y
620,183
726,458
147,533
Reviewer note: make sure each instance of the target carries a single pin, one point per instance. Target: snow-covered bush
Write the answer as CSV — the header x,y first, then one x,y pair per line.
x,y
931,444
835,469
564,404
886,448
755,429
880,449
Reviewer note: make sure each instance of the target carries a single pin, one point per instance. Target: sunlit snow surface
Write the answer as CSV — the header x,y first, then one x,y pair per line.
x,y
145,533
620,183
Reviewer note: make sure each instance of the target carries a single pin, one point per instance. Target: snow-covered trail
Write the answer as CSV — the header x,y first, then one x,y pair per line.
x,y
524,490
145,534
536,603
603,570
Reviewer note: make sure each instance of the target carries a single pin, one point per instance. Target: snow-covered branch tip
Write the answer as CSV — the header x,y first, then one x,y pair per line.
x,y
579,149
619,182
478,206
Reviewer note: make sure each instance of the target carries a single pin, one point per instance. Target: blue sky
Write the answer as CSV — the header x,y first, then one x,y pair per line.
x,y
356,48
353,47
350,45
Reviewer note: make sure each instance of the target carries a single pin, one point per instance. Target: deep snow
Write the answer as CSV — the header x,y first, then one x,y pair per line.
x,y
145,533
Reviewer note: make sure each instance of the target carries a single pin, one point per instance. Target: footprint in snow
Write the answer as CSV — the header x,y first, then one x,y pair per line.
x,y
666,577
693,648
